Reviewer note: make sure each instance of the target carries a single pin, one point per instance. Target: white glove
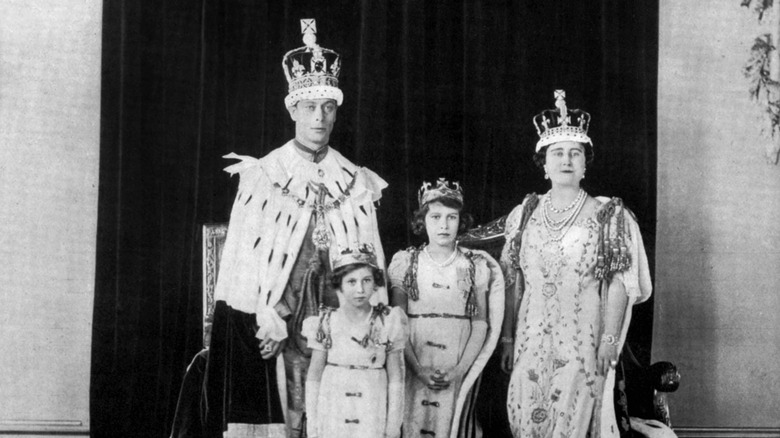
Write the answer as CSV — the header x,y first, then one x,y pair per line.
x,y
395,409
652,428
312,396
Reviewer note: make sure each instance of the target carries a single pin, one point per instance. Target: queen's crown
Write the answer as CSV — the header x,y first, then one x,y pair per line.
x,y
561,123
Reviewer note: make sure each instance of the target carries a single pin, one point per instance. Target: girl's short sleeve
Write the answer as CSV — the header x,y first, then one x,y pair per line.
x,y
397,326
309,331
396,272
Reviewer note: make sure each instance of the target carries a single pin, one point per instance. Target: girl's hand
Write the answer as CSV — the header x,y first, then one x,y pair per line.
x,y
432,378
444,378
424,374
606,358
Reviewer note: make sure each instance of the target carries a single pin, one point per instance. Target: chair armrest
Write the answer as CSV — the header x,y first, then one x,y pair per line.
x,y
488,237
665,380
214,236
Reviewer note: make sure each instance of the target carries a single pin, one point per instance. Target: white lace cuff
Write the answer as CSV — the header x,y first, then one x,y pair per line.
x,y
270,324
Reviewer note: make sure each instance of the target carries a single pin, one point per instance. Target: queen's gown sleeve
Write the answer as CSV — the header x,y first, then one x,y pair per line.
x,y
635,279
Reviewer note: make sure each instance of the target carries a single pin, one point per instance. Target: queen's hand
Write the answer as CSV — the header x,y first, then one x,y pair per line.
x,y
606,358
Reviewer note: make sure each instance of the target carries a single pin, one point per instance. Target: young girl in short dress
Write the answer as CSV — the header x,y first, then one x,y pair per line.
x,y
355,383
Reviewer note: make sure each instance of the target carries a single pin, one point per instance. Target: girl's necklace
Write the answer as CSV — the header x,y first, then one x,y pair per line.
x,y
446,262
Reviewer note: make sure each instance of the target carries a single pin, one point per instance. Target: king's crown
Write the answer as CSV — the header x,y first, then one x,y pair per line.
x,y
561,123
312,71
442,189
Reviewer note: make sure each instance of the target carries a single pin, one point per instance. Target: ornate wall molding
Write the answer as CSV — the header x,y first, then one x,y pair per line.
x,y
32,427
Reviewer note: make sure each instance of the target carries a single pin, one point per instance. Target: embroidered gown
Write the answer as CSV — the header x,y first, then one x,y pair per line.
x,y
554,387
353,391
439,331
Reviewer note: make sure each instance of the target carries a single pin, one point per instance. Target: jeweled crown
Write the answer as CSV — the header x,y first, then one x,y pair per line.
x,y
561,123
442,189
364,254
312,71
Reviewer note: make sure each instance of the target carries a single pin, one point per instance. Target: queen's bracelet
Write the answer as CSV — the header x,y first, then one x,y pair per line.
x,y
610,339
506,340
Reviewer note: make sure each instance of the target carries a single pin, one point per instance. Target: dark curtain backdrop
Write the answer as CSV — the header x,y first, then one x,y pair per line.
x,y
431,89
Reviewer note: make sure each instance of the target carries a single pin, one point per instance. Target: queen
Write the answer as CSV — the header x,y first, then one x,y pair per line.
x,y
574,265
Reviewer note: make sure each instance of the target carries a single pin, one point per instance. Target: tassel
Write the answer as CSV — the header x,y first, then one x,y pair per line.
x,y
372,336
323,330
530,201
312,286
612,255
410,279
471,298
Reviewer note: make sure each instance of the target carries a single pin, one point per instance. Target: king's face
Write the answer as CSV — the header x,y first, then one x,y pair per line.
x,y
314,121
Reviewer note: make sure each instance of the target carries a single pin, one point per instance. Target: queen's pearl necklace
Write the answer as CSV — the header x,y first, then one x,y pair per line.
x,y
580,195
562,225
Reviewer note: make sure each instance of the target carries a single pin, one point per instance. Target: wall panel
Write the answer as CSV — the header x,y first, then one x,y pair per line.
x,y
49,138
718,240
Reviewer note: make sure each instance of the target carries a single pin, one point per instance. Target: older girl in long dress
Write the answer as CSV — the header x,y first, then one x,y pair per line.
x,y
574,266
354,386
450,294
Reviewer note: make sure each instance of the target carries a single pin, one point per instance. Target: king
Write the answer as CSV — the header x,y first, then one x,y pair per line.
x,y
294,208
